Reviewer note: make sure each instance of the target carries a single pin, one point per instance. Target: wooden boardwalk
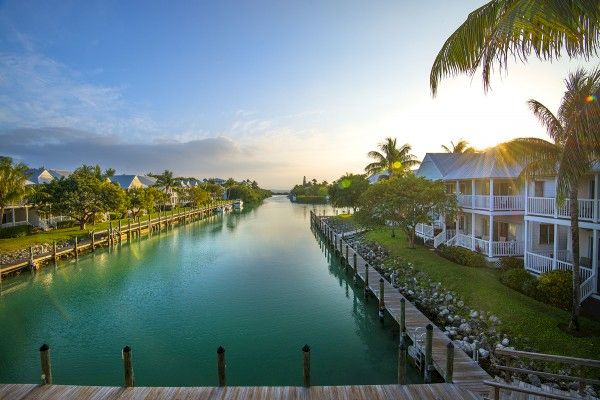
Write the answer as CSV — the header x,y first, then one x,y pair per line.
x,y
126,231
440,391
467,373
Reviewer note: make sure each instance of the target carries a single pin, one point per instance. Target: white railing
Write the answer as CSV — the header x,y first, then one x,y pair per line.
x,y
424,230
587,288
540,206
510,248
509,203
439,239
481,246
463,240
538,263
588,208
482,201
465,200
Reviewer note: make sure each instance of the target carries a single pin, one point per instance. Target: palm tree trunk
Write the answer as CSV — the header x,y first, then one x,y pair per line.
x,y
574,208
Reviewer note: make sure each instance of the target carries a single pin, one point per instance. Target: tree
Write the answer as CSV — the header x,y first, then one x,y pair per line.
x,y
198,196
405,201
109,172
12,183
139,199
166,181
518,28
215,190
80,196
346,191
392,159
574,148
462,146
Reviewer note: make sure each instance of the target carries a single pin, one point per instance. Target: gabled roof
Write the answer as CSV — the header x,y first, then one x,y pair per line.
x,y
146,180
449,166
376,177
38,176
124,181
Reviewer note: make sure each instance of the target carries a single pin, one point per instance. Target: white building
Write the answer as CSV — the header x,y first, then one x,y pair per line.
x,y
501,216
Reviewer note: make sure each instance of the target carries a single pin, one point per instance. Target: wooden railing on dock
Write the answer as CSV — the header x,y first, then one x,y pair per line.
x,y
114,234
466,372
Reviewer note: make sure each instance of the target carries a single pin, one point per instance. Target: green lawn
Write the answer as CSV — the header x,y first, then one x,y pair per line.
x,y
14,244
481,290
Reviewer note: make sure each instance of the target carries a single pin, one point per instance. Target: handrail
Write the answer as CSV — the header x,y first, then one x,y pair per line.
x,y
549,357
499,385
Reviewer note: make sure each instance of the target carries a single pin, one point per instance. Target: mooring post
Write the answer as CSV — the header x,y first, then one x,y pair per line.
x,y
428,352
120,237
355,261
149,224
402,315
381,299
128,367
93,241
31,260
139,226
110,233
449,362
347,263
46,367
402,359
129,229
366,279
221,365
76,249
306,365
54,251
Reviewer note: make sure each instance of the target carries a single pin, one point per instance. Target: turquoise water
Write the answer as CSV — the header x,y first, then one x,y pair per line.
x,y
258,283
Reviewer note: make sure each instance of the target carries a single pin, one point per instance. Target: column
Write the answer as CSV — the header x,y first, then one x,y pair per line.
x,y
472,193
595,258
555,248
555,202
526,196
491,229
472,231
525,241
491,194
596,200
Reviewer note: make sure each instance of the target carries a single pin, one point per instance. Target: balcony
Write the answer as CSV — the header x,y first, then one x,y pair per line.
x,y
499,203
548,207
499,248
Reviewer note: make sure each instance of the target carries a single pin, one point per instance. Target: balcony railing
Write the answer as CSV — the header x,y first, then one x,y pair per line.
x,y
499,203
548,207
510,248
499,249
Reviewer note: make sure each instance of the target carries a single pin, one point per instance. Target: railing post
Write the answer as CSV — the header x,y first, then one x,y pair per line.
x,y
306,365
402,315
46,367
381,299
402,359
128,367
428,352
449,362
221,365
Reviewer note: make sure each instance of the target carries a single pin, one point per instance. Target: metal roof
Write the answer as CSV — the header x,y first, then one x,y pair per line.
x,y
449,166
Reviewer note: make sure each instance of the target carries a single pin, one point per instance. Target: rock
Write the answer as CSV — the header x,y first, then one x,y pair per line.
x,y
449,297
505,342
465,328
474,314
483,353
460,303
534,380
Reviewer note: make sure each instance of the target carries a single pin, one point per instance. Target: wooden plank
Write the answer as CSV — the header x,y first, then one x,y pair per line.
x,y
548,357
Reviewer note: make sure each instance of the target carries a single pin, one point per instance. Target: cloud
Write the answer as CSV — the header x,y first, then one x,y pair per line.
x,y
69,148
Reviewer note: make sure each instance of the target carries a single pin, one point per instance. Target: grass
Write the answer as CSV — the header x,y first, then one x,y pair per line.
x,y
24,242
480,288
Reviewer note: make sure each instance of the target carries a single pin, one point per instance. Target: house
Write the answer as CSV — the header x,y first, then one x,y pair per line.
x,y
127,181
502,216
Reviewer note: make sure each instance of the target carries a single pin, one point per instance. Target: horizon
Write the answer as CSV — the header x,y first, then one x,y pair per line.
x,y
261,90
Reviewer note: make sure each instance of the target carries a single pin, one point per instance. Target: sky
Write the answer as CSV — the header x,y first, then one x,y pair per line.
x,y
266,90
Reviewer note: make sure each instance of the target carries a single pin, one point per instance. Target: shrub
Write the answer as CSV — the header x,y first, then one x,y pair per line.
x,y
511,262
15,231
65,224
556,288
462,256
520,280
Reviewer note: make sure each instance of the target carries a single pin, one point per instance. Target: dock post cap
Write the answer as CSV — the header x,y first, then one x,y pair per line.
x,y
380,280
220,350
450,345
126,349
306,348
402,300
429,327
44,347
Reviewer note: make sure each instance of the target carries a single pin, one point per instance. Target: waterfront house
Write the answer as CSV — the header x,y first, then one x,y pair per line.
x,y
503,216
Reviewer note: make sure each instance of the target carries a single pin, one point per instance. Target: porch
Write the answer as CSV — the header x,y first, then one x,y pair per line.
x,y
494,236
488,194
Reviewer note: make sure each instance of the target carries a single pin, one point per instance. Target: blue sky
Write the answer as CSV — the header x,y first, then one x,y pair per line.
x,y
252,89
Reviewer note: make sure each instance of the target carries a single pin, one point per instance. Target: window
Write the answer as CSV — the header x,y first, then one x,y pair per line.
x,y
539,189
592,189
546,234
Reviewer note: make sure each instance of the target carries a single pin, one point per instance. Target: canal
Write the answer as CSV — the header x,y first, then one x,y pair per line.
x,y
257,282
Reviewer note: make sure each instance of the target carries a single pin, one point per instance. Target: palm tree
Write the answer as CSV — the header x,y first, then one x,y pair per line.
x,y
570,155
165,180
392,159
12,183
462,146
518,29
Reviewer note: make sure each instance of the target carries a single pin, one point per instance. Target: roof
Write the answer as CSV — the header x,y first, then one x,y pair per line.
x,y
450,166
376,177
146,180
35,175
124,181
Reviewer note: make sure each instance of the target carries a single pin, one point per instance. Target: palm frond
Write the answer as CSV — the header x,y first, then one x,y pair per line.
x,y
553,125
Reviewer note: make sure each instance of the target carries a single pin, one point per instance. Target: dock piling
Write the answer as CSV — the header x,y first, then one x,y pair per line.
x,y
31,260
449,362
76,250
93,241
46,367
381,299
221,365
110,233
402,315
128,367
306,365
54,251
428,353
366,279
120,238
402,359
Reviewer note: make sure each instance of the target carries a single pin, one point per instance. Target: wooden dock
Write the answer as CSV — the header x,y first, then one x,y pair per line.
x,y
109,237
467,372
440,391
